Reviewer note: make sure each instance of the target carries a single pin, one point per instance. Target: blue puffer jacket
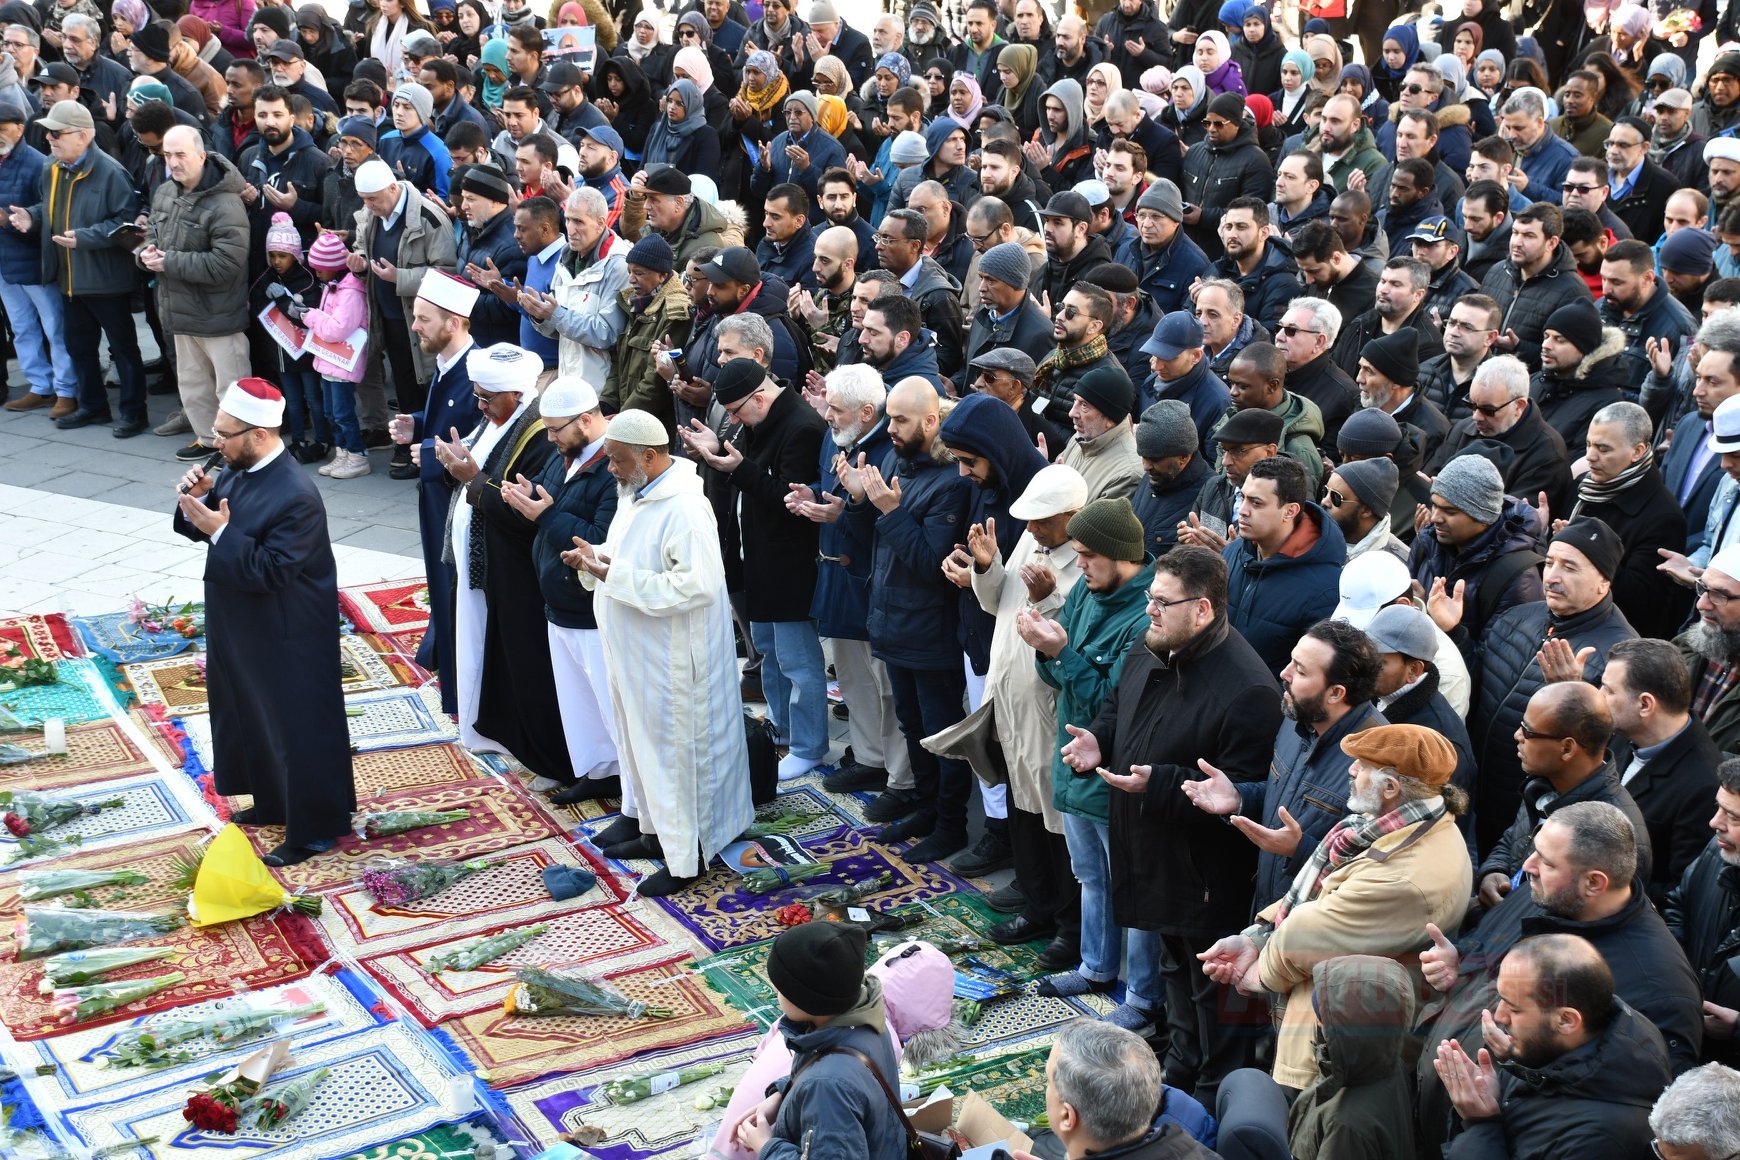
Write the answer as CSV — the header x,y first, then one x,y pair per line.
x,y
912,607
989,428
842,600
919,358
20,184
834,1106
1272,602
1309,777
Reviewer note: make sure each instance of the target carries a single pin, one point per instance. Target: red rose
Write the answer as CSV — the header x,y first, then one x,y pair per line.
x,y
17,826
209,1115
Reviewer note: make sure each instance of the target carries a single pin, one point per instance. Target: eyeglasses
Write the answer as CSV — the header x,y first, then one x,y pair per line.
x,y
1489,411
1616,143
1536,735
485,397
1454,323
1573,187
886,239
218,437
15,43
1334,498
980,241
1155,602
1291,331
563,427
1717,596
741,403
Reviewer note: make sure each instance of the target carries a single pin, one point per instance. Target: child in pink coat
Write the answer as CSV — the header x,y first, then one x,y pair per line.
x,y
343,308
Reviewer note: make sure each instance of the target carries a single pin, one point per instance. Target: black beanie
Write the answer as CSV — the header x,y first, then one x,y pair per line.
x,y
1109,391
1579,323
819,966
1228,107
1395,356
1596,540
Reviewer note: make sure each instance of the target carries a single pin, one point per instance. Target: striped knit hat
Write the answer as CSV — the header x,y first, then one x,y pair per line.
x,y
327,253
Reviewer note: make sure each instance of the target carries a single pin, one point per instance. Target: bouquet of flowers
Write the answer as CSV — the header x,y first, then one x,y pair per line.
x,y
154,1046
389,822
44,930
541,991
477,952
34,885
397,881
282,1102
632,1088
79,1003
717,1097
18,670
766,881
230,882
219,1108
76,967
852,893
1680,22
41,845
778,823
186,620
28,812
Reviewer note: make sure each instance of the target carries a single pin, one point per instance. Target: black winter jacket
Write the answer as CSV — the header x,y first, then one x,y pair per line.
x,y
1528,302
1214,175
1703,912
1647,517
1270,286
1027,330
1438,384
1541,462
1162,509
779,548
585,504
1673,790
913,609
1518,530
1569,402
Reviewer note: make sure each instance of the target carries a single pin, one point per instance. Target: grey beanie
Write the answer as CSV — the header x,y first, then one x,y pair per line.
x,y
1369,431
1473,486
1373,482
1163,197
1166,430
419,98
807,99
1008,264
909,149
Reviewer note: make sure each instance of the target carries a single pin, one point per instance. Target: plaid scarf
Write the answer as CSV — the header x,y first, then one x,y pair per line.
x,y
1349,838
1062,360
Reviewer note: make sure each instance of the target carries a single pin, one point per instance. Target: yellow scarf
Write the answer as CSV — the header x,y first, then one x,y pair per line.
x,y
768,100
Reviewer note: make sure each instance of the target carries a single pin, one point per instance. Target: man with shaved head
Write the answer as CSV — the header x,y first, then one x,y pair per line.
x,y
915,504
824,311
200,257
1076,53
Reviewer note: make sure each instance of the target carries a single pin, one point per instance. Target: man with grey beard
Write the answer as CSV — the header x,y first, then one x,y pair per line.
x,y
1712,649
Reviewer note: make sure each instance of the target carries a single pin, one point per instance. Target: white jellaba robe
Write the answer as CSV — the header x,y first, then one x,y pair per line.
x,y
665,623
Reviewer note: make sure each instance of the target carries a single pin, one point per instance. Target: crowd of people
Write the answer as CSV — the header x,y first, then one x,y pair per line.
x,y
1280,471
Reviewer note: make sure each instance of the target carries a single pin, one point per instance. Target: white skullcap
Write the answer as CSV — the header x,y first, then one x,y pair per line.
x,y
1724,148
1368,582
639,428
255,402
454,295
504,367
567,397
1727,562
1053,490
372,176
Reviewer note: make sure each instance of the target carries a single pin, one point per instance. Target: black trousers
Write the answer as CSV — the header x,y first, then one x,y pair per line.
x,y
112,314
407,388
928,701
1212,1029
1042,868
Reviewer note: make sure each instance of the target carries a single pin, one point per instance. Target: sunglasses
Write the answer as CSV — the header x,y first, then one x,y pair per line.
x,y
1335,498
1534,735
1489,412
1068,310
1291,331
1413,90
1573,187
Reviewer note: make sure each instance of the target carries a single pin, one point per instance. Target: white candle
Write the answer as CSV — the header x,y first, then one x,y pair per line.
x,y
54,735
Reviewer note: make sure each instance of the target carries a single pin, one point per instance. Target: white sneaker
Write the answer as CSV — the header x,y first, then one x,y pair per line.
x,y
544,784
353,465
332,464
791,765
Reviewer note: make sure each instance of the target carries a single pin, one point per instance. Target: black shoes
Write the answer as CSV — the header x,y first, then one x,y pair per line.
x,y
193,452
311,453
935,848
403,471
891,804
1059,954
1020,929
83,418
288,855
992,853
253,817
856,778
1007,899
128,428
917,825
588,789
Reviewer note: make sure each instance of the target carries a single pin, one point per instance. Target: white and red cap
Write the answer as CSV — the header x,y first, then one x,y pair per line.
x,y
454,295
255,402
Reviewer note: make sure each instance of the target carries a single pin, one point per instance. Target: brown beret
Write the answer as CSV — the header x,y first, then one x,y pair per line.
x,y
1411,750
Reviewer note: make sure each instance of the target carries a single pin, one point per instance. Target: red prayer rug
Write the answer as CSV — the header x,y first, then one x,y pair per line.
x,y
389,606
44,637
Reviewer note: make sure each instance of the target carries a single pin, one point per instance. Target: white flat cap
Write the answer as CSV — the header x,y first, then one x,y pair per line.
x,y
640,428
1053,490
567,397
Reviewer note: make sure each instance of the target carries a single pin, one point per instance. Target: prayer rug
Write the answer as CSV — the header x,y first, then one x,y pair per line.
x,y
723,915
151,806
98,752
598,940
389,606
385,1082
403,660
443,1143
163,733
502,816
1011,1081
392,771
78,695
390,719
114,635
46,638
664,1127
79,1056
510,1049
178,684
510,893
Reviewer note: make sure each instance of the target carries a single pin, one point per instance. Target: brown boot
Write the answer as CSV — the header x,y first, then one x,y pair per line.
x,y
63,406
29,401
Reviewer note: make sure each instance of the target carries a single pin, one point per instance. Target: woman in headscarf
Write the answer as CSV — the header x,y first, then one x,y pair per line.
x,y
758,109
936,83
1016,65
1666,71
1457,91
469,20
1258,51
965,101
491,78
1189,105
831,79
1628,46
694,65
1489,71
126,17
1356,82
1269,136
1495,29
1401,52
1465,46
681,136
620,91
892,71
1325,76
645,49
1288,101
836,122
1213,58
1103,80
694,32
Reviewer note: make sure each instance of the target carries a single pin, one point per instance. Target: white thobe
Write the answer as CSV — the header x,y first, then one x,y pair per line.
x,y
665,622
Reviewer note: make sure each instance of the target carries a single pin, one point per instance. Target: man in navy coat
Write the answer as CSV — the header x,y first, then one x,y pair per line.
x,y
441,320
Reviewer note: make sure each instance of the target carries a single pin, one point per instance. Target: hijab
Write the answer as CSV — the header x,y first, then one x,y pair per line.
x,y
770,97
667,135
1473,30
1409,38
1225,77
636,49
1270,39
1262,110
832,116
1497,58
970,119
1634,19
1307,70
896,64
1322,45
834,69
1023,61
693,61
1192,76
494,54
934,108
1107,72
698,22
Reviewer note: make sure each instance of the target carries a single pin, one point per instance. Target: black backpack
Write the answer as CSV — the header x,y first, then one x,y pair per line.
x,y
763,759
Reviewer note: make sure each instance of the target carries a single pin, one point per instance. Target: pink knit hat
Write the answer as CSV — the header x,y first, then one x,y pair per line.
x,y
327,253
282,238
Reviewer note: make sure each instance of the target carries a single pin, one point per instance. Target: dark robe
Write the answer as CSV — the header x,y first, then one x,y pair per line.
x,y
516,704
278,727
450,404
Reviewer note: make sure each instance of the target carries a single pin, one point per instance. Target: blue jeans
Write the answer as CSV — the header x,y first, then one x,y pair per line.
x,y
305,402
795,678
340,403
1103,942
38,317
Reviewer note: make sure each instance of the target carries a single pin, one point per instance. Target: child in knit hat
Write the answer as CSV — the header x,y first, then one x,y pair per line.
x,y
343,310
287,279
